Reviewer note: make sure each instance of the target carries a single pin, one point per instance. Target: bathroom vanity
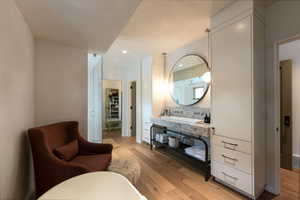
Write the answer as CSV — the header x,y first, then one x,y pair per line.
x,y
181,130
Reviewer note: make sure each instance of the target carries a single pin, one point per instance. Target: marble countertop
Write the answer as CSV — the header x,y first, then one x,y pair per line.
x,y
189,126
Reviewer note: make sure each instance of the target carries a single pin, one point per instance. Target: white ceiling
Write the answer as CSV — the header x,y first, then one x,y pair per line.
x,y
90,24
152,26
162,26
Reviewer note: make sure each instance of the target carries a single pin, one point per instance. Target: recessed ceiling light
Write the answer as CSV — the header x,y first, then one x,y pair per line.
x,y
180,65
124,52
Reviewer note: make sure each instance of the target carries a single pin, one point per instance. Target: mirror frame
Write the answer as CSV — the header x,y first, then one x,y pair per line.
x,y
172,69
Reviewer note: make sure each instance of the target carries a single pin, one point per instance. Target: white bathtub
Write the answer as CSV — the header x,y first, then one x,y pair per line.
x,y
94,186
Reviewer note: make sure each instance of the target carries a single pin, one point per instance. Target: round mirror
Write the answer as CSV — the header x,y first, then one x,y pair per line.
x,y
189,80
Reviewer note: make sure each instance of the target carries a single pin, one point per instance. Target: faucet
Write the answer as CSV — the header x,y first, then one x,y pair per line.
x,y
166,112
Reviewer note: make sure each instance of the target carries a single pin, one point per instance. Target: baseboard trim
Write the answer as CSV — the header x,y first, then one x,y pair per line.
x,y
270,189
296,161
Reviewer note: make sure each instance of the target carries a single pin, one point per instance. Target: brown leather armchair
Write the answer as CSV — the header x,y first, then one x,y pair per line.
x,y
49,169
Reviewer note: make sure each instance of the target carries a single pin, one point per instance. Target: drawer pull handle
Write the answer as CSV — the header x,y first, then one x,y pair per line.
x,y
234,159
230,143
232,177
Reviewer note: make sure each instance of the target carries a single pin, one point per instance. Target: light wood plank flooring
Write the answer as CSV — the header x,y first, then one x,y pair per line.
x,y
167,178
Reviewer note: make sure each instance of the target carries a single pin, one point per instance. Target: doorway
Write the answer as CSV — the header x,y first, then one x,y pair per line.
x,y
288,106
132,107
112,108
289,68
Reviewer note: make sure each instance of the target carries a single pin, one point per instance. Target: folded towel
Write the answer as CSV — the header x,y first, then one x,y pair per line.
x,y
196,152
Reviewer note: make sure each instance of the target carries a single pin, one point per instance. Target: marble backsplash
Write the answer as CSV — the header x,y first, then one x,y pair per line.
x,y
190,112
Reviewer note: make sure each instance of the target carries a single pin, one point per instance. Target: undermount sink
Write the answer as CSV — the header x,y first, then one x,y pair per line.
x,y
183,125
181,119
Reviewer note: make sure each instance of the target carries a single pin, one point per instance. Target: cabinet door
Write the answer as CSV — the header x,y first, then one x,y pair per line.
x,y
231,80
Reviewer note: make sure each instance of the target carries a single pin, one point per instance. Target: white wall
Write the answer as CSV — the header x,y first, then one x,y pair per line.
x,y
146,77
60,84
111,70
16,102
291,51
159,84
281,23
199,47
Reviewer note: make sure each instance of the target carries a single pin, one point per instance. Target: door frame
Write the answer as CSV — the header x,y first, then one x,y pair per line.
x,y
277,107
126,131
95,72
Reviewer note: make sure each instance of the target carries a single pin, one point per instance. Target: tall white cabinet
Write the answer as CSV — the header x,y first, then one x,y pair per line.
x,y
238,98
146,76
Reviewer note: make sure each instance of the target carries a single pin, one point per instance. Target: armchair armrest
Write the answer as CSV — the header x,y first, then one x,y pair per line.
x,y
89,148
49,170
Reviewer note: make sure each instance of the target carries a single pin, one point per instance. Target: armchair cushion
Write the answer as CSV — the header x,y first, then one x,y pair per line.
x,y
88,148
68,151
99,162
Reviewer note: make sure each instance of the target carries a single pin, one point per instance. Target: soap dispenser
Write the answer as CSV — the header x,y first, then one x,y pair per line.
x,y
207,119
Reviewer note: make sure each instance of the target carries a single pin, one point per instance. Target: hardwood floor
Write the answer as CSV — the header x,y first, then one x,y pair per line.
x,y
167,178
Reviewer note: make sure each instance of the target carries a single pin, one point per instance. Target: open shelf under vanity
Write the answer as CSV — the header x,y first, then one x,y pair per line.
x,y
179,152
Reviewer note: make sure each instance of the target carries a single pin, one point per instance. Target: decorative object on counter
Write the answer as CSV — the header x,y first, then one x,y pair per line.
x,y
166,112
189,80
207,119
173,142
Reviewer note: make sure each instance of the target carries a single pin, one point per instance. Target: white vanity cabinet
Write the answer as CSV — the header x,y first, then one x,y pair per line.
x,y
146,131
238,102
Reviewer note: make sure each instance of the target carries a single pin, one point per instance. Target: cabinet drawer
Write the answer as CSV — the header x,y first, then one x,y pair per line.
x,y
233,177
147,126
232,144
234,159
146,136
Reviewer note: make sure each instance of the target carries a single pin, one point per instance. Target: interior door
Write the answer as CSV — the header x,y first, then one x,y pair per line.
x,y
133,108
286,114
